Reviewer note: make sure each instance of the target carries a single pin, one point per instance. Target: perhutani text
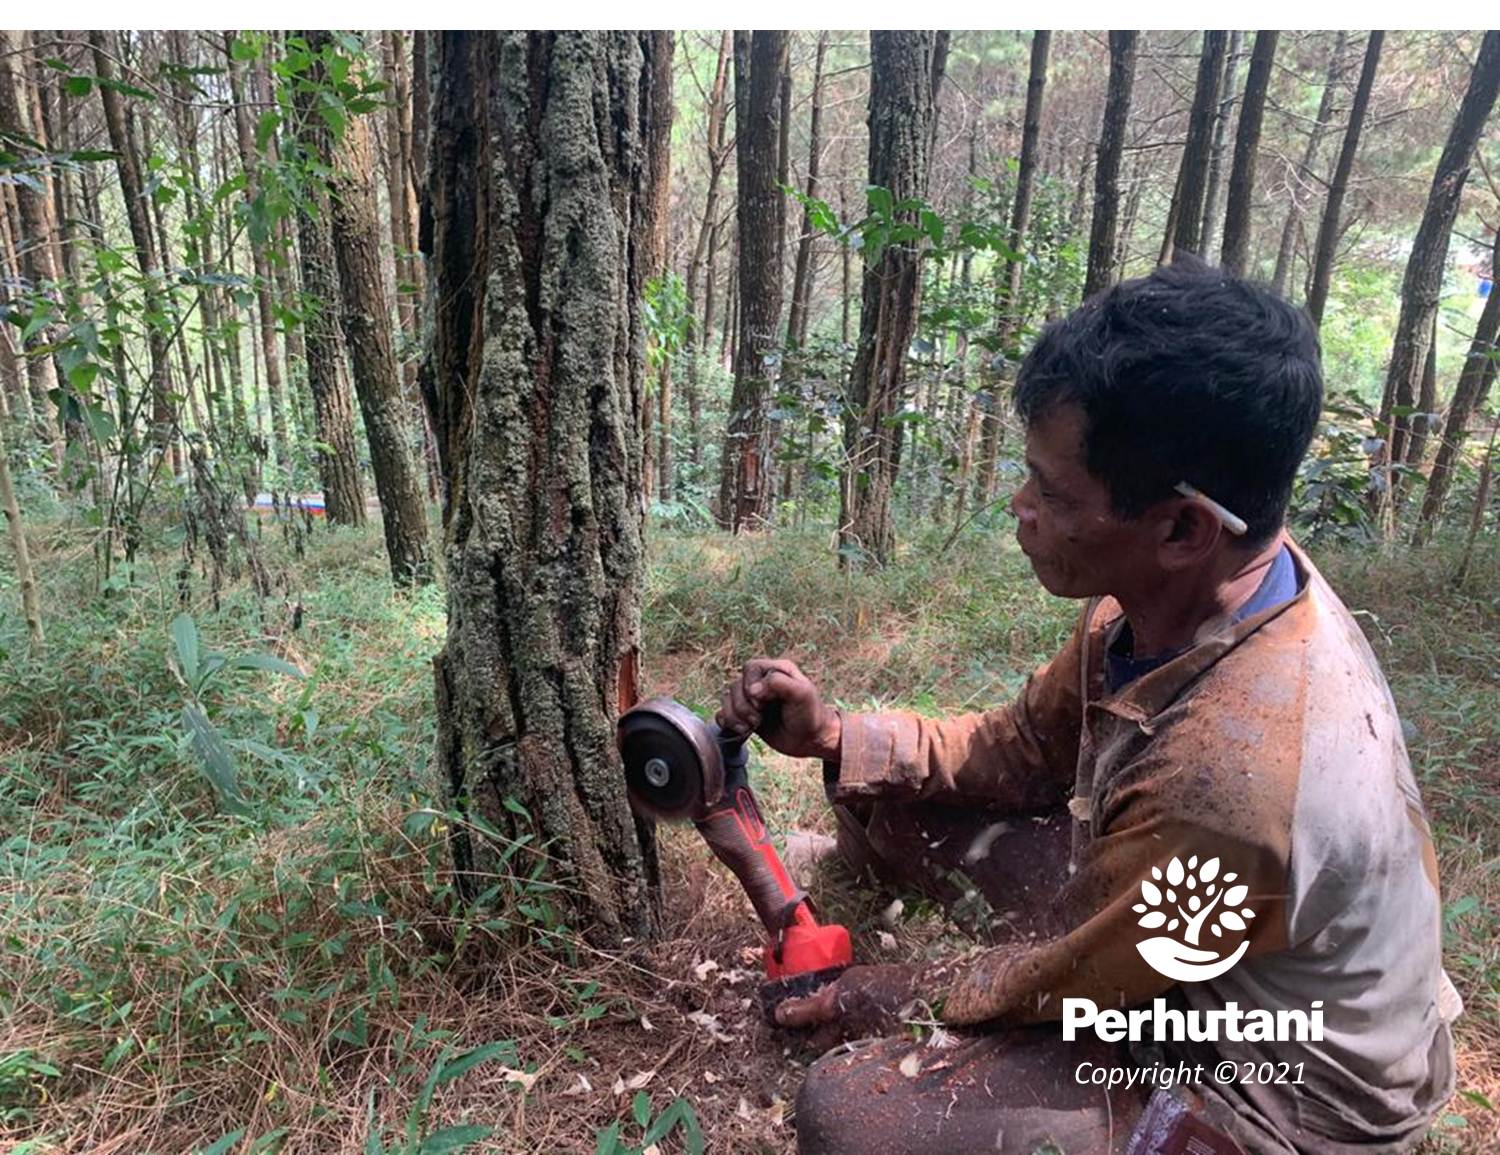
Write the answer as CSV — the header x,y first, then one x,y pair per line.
x,y
1162,1024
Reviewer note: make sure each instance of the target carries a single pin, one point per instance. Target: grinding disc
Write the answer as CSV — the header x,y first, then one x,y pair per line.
x,y
673,770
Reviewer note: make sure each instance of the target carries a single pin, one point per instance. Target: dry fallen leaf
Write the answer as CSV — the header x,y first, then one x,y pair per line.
x,y
710,1023
911,1066
525,1078
705,968
646,1024
887,940
636,1082
743,1110
710,1078
581,1087
650,1149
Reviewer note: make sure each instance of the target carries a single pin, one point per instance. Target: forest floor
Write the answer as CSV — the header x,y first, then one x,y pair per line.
x,y
301,979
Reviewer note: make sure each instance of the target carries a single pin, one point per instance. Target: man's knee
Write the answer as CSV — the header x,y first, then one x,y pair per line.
x,y
825,1121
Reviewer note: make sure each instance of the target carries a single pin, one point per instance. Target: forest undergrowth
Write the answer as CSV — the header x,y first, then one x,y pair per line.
x,y
245,938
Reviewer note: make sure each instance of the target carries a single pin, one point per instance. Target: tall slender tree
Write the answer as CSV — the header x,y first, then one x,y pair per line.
x,y
903,77
1298,187
746,479
1422,285
260,249
367,334
333,407
1103,230
536,398
1320,276
803,272
1008,312
1474,382
1185,235
1236,253
1229,85
718,150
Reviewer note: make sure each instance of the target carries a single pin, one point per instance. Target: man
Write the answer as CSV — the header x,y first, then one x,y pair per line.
x,y
1217,724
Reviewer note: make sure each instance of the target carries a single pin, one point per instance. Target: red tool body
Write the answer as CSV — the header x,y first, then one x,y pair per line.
x,y
677,768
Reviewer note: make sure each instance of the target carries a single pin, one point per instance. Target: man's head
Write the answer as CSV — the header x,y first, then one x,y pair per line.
x,y
1188,375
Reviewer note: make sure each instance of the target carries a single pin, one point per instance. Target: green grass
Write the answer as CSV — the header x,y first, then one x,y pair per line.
x,y
302,975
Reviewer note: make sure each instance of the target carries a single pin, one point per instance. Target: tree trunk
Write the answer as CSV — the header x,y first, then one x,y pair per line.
x,y
1229,84
1422,285
1192,177
31,606
333,407
1009,318
658,119
245,136
537,274
1122,52
901,109
1236,253
746,481
1421,420
802,275
1473,387
1329,229
1305,178
367,333
33,253
163,415
696,338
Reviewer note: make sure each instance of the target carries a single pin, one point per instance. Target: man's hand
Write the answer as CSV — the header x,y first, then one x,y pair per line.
x,y
862,1002
776,700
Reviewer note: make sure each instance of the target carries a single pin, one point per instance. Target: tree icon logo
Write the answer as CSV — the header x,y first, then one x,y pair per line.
x,y
1185,902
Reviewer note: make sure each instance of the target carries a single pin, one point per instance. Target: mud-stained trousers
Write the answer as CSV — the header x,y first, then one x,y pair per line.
x,y
1010,1091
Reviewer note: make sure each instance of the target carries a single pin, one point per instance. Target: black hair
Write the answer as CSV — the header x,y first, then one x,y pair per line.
x,y
1186,375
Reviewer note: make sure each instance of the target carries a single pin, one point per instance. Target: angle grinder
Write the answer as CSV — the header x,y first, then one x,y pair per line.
x,y
679,768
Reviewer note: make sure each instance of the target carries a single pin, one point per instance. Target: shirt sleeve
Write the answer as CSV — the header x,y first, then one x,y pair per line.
x,y
1020,757
1156,816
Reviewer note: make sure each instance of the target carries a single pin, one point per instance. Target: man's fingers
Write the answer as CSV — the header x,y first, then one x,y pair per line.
x,y
744,713
814,1010
779,686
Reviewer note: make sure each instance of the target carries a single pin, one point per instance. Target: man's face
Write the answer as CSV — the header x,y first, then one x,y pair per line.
x,y
1076,543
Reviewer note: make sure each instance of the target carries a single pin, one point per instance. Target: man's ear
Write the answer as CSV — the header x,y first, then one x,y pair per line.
x,y
1192,534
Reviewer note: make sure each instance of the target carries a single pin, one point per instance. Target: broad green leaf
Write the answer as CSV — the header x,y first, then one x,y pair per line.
x,y
223,1144
218,762
185,638
453,1139
467,1061
266,662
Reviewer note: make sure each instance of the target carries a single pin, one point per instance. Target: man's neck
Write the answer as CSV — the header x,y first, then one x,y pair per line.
x,y
1166,617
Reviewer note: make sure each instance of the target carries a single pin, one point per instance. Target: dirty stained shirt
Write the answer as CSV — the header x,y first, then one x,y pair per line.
x,y
1271,744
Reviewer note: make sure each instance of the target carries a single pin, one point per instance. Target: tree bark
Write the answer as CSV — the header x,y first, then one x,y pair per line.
x,y
537,273
706,249
1122,53
1474,382
802,274
1422,285
1329,229
1009,318
1192,177
333,407
1305,178
1236,252
245,137
1229,83
31,606
33,253
902,85
367,334
746,481
163,412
